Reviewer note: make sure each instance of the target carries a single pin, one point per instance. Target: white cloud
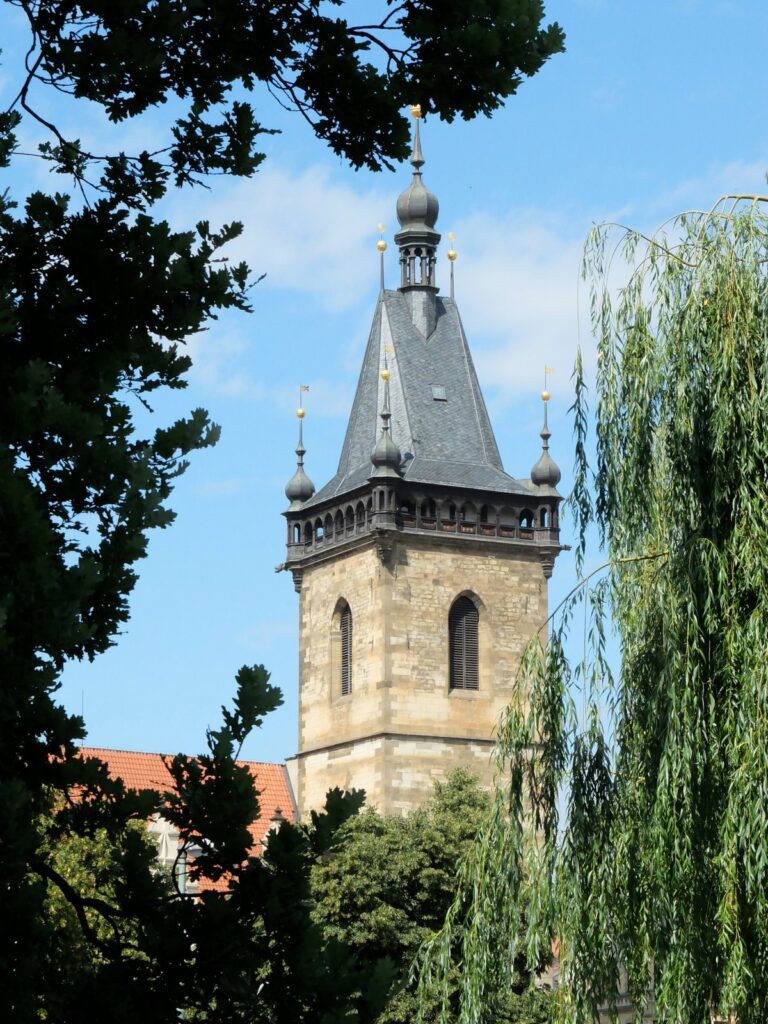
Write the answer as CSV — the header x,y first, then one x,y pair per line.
x,y
517,283
306,231
517,278
221,361
217,357
519,287
701,192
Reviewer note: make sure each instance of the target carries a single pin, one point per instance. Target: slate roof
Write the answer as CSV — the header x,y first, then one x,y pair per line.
x,y
140,770
446,443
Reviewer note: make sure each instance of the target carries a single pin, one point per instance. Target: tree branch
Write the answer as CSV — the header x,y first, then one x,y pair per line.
x,y
606,565
80,904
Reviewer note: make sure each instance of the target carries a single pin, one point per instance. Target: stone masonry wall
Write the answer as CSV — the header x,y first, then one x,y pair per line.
x,y
401,727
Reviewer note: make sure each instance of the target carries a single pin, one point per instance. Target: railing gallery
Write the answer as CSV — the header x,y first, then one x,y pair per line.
x,y
537,525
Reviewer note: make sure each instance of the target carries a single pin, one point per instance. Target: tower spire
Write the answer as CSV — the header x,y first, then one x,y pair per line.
x,y
299,488
417,210
546,472
386,456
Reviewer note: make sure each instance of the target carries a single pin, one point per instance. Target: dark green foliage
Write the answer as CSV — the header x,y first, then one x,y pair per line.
x,y
388,884
657,862
258,956
96,299
83,340
350,81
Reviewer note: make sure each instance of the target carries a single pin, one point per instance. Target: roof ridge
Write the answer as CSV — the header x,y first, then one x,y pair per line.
x,y
122,750
399,399
478,399
356,413
465,462
472,389
157,753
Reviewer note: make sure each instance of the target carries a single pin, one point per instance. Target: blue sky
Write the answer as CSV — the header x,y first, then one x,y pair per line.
x,y
655,107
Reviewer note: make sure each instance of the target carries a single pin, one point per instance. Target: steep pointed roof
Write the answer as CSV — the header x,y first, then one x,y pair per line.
x,y
439,419
439,423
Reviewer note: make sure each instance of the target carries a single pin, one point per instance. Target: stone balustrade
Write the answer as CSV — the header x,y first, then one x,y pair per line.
x,y
536,523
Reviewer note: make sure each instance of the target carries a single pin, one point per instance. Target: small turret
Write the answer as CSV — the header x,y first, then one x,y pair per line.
x,y
417,210
546,472
386,456
299,488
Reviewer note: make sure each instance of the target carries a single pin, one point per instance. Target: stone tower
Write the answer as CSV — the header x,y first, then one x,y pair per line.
x,y
422,566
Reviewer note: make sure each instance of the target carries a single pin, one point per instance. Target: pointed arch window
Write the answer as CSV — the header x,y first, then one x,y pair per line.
x,y
345,628
463,622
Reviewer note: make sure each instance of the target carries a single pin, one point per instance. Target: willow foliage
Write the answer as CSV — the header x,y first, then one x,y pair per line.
x,y
633,822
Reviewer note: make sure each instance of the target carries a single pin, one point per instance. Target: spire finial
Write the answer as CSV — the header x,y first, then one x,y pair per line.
x,y
300,488
545,393
386,455
546,472
417,157
300,414
451,254
545,396
381,245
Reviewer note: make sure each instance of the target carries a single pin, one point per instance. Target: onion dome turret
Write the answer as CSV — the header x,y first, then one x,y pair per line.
x,y
386,456
546,472
299,488
417,210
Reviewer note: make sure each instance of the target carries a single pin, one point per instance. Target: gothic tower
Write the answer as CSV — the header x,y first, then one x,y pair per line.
x,y
422,566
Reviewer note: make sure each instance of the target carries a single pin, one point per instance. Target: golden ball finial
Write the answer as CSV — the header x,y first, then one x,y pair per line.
x,y
452,254
545,396
301,413
381,245
385,375
416,110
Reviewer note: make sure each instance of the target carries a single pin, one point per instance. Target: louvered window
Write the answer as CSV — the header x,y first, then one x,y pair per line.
x,y
462,632
346,650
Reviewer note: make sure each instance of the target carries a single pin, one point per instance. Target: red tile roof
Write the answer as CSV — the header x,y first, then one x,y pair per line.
x,y
140,770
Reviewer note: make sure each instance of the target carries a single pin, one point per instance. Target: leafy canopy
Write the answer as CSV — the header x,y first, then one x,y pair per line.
x,y
256,953
656,860
388,883
350,79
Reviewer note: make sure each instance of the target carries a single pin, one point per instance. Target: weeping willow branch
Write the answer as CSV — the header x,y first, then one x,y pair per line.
x,y
590,575
635,833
